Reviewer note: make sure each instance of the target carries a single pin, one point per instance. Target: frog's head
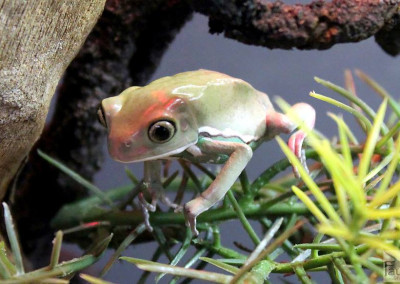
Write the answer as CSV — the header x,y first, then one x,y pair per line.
x,y
147,124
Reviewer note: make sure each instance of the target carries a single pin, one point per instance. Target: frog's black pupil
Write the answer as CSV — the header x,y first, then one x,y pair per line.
x,y
161,133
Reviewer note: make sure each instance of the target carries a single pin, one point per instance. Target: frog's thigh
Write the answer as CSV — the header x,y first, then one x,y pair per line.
x,y
239,155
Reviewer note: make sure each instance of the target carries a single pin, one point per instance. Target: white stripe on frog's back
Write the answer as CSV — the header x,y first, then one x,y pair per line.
x,y
226,133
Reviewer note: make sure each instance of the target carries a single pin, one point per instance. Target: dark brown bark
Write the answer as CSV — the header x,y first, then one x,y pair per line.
x,y
317,25
389,36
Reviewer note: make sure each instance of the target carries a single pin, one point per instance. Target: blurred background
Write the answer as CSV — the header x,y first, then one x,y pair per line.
x,y
285,73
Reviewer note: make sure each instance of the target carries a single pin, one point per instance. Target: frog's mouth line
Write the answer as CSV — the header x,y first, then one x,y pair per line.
x,y
165,155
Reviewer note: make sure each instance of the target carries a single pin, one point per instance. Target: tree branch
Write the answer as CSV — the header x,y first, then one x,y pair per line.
x,y
317,25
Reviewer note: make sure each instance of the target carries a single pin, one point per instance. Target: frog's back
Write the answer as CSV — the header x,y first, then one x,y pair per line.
x,y
199,77
224,106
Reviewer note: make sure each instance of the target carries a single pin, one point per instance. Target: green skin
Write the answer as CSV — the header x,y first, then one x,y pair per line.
x,y
206,117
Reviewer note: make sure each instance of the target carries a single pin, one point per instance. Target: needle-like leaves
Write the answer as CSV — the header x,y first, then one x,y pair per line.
x,y
351,198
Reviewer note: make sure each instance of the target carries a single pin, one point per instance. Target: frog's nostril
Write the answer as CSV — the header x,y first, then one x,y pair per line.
x,y
128,143
126,146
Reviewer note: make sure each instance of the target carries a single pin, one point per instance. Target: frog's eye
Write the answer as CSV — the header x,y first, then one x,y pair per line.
x,y
161,131
100,116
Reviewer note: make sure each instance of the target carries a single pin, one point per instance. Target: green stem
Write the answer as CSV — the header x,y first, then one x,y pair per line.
x,y
124,244
162,242
302,274
13,239
317,240
243,219
286,245
256,211
315,262
335,274
220,250
55,254
323,247
341,265
145,274
245,183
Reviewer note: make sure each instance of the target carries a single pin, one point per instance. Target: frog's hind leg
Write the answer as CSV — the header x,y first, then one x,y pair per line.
x,y
239,155
284,123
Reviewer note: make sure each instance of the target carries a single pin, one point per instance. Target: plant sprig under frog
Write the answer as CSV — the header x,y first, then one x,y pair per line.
x,y
357,220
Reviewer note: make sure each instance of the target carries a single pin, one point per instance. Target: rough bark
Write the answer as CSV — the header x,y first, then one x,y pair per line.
x,y
38,39
389,36
317,25
123,49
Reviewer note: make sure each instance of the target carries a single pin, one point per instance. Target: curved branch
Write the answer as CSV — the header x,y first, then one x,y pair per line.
x,y
317,25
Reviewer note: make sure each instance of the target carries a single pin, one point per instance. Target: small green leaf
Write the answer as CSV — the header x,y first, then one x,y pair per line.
x,y
55,254
179,271
93,280
380,90
313,187
91,187
181,253
124,244
348,95
220,264
311,205
370,144
13,238
259,273
345,107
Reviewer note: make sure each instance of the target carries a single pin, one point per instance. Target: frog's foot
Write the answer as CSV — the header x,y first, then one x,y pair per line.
x,y
190,220
146,207
305,113
179,209
295,144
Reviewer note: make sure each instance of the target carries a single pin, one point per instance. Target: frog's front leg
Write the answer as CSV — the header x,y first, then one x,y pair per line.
x,y
239,155
284,123
153,184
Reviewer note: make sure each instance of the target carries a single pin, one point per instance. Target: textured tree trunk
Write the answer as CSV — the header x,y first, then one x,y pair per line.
x,y
123,49
38,40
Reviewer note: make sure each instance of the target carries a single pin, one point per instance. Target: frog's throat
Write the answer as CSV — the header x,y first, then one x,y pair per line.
x,y
162,156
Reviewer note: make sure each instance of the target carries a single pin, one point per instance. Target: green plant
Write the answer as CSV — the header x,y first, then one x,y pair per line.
x,y
12,265
350,197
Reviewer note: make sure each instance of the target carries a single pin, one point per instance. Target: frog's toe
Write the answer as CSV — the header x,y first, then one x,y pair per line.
x,y
190,220
164,199
144,204
295,144
146,217
178,209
